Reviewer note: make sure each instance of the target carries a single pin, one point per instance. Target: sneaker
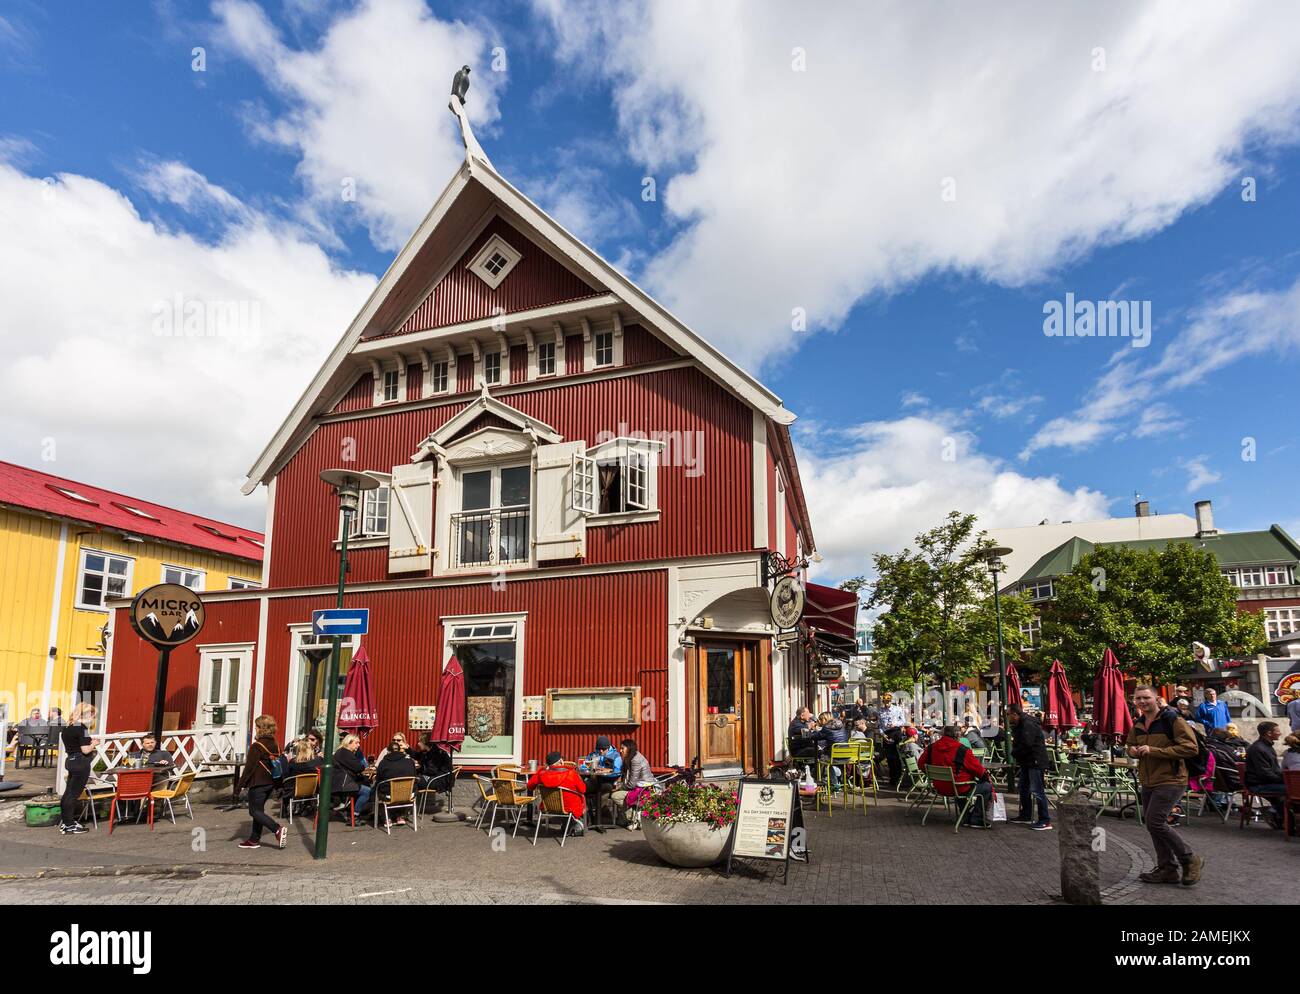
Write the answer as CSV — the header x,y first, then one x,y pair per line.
x,y
1042,826
1022,821
1192,870
282,836
1161,875
250,844
76,828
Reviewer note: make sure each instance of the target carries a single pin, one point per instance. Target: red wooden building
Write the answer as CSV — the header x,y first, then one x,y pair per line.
x,y
577,491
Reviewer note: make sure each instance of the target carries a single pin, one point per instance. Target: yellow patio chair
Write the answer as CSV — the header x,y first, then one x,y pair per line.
x,y
508,798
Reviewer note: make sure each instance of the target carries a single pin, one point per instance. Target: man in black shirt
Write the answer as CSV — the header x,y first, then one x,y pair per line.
x,y
1264,772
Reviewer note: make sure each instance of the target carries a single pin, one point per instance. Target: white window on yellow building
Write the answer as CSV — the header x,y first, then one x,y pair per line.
x,y
239,583
192,578
102,575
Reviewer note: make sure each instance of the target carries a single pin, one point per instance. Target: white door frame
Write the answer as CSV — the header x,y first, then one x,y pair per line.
x,y
243,650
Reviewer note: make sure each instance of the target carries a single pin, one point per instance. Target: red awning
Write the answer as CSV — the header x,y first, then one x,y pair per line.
x,y
832,611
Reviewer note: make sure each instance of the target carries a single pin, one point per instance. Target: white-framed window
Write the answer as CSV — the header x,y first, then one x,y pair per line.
x,y
372,519
492,367
239,583
604,348
545,358
1279,621
389,393
494,261
617,477
493,525
490,650
102,575
438,377
1038,590
1032,632
186,577
1277,576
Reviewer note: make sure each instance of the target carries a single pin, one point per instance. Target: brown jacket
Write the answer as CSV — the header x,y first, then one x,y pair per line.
x,y
1164,764
257,770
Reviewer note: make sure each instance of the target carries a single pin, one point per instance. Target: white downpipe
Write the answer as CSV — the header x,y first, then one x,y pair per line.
x,y
54,620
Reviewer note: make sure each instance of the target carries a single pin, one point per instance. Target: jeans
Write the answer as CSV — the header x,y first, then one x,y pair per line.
x,y
1157,802
981,814
1031,789
73,784
257,798
363,796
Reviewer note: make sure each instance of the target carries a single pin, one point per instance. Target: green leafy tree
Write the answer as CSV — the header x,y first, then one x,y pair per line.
x,y
1148,607
939,620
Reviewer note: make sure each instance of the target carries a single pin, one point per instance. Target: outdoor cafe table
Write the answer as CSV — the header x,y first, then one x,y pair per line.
x,y
598,780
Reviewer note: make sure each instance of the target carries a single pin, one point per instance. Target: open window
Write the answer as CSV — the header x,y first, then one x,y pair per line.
x,y
624,477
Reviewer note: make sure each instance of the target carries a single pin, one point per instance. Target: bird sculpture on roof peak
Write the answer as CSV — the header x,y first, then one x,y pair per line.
x,y
460,84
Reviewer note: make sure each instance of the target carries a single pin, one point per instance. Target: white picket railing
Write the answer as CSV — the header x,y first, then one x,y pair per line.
x,y
194,749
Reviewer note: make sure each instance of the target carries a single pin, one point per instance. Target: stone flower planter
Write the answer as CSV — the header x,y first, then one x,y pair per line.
x,y
686,844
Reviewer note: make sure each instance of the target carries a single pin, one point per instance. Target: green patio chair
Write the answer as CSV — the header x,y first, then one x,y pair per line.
x,y
961,802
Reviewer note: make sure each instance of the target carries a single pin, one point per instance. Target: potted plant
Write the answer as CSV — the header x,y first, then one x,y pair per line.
x,y
688,825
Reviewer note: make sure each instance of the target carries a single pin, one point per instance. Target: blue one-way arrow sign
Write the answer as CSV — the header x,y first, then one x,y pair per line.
x,y
341,621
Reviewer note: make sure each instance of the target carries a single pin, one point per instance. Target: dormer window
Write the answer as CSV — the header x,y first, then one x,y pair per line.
x,y
546,359
494,261
492,367
390,385
605,348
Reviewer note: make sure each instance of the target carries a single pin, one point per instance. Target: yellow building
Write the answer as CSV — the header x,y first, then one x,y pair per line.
x,y
64,548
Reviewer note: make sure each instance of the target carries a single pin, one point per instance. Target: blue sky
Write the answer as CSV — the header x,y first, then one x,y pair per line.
x,y
777,188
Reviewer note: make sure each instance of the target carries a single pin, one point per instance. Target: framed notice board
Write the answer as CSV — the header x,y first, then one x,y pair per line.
x,y
767,814
593,706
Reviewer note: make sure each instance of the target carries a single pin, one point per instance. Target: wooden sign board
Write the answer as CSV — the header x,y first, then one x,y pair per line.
x,y
593,706
767,813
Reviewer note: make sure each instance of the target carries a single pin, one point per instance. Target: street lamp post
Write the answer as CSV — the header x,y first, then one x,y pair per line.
x,y
993,557
348,487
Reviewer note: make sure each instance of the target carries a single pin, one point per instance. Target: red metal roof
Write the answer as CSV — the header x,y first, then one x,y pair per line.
x,y
37,491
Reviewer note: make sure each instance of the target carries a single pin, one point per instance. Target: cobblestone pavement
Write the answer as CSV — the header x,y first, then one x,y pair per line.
x,y
883,857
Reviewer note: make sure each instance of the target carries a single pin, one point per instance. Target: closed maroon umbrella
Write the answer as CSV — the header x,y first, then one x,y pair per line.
x,y
1058,711
1109,707
449,722
1013,684
359,713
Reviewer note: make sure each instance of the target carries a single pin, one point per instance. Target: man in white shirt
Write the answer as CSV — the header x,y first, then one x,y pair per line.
x,y
891,715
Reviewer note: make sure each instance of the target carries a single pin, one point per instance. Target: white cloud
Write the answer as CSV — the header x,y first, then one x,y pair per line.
x,y
1126,398
888,480
817,188
1199,473
368,104
172,419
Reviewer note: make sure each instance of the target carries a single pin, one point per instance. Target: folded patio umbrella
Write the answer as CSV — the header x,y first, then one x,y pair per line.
x,y
449,722
359,712
1110,707
1058,709
1013,684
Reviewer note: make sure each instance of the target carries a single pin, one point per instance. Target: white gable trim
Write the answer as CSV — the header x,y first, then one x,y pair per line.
x,y
484,403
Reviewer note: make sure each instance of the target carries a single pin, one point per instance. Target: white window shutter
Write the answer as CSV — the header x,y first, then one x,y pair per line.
x,y
561,529
410,518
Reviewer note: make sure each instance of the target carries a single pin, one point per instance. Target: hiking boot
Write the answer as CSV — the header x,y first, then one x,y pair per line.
x,y
1161,875
1192,870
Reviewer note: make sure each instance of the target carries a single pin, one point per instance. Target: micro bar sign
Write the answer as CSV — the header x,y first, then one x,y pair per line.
x,y
167,614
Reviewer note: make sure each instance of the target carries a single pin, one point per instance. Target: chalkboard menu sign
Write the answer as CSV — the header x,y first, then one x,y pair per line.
x,y
593,706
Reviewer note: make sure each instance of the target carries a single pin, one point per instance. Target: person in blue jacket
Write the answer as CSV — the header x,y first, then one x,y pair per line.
x,y
1212,712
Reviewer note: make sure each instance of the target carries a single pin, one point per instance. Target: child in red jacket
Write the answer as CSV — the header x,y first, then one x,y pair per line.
x,y
555,775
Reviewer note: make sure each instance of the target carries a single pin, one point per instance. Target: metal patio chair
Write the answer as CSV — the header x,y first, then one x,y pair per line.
x,y
178,790
509,800
550,806
401,795
961,801
304,789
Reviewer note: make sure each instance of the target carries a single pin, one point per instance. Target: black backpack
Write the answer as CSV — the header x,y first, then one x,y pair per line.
x,y
1196,765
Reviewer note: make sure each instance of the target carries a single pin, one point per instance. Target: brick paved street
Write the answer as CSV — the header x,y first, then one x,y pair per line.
x,y
884,857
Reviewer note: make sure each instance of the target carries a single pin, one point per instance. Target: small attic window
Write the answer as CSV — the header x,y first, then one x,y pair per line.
x,y
136,511
494,261
72,495
214,531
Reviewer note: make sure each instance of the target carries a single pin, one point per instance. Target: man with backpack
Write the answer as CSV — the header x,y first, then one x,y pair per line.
x,y
968,772
1162,743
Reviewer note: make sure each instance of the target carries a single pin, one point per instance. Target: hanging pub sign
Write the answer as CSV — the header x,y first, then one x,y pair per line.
x,y
1288,688
829,672
767,818
167,614
788,599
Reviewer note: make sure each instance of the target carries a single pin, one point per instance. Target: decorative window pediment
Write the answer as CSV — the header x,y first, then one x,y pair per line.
x,y
488,443
514,422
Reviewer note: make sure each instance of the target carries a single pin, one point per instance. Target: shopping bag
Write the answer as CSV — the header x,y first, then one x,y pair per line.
x,y
999,808
808,785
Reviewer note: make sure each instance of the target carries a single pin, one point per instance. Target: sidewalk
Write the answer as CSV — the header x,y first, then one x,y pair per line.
x,y
884,857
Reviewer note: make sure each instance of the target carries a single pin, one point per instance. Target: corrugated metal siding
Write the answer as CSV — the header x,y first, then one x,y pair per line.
x,y
573,354
134,669
703,513
464,373
414,381
536,280
361,395
640,346
518,363
593,631
29,569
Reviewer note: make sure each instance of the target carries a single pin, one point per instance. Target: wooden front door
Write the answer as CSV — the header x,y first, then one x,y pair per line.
x,y
722,699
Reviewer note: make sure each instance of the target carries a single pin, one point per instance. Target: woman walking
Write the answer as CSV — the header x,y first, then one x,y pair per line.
x,y
79,746
259,781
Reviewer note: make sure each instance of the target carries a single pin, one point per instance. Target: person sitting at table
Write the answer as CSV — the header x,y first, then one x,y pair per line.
x,y
395,764
304,758
948,751
971,737
433,764
637,777
802,744
859,732
22,728
352,775
162,761
1234,738
556,774
604,757
1264,772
